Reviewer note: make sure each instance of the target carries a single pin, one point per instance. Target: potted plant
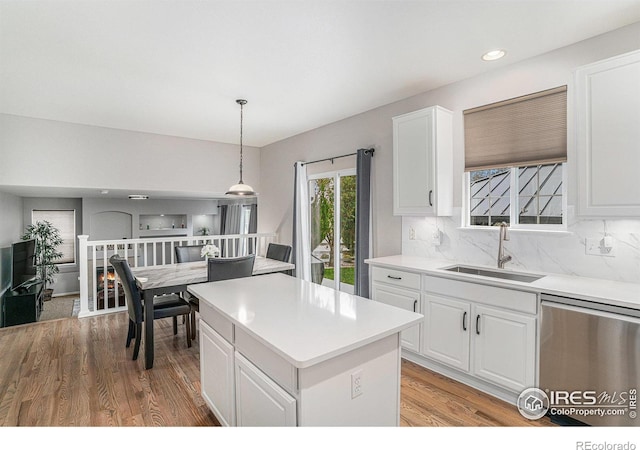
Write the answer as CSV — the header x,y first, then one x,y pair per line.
x,y
47,242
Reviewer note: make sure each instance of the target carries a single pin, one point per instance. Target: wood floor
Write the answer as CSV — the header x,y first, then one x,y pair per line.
x,y
77,372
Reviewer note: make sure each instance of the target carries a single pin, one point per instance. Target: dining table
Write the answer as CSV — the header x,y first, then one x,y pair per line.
x,y
175,278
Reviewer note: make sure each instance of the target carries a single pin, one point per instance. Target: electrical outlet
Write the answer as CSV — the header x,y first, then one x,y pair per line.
x,y
600,246
412,234
356,384
436,239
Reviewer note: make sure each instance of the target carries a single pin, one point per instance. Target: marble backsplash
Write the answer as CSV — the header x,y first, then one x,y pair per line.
x,y
551,252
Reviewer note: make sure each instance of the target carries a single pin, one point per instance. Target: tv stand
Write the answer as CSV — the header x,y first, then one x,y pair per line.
x,y
22,305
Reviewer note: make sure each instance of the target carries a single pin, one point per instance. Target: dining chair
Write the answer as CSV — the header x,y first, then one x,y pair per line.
x,y
279,251
164,306
190,253
219,269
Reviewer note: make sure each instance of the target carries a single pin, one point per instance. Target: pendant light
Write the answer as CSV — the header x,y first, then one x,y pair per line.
x,y
241,188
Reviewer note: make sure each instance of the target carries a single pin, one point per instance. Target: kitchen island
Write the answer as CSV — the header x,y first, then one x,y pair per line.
x,y
276,350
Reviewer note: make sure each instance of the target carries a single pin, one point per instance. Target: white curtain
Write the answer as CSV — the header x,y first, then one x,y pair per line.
x,y
301,233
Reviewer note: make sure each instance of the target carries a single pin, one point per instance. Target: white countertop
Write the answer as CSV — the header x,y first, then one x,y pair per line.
x,y
303,322
591,289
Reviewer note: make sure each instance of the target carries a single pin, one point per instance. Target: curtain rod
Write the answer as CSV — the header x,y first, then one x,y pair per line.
x,y
369,150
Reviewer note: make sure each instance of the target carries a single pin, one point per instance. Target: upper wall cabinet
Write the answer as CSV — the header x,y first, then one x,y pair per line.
x,y
423,163
608,137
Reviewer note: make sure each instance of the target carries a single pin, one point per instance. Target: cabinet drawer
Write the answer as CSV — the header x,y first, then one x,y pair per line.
x,y
215,320
276,367
515,300
396,277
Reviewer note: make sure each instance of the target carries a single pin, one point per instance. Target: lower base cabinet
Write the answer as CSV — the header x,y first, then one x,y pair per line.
x,y
238,393
504,346
217,374
495,345
260,401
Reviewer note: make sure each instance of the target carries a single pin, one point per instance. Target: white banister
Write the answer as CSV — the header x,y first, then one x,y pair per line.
x,y
84,276
94,254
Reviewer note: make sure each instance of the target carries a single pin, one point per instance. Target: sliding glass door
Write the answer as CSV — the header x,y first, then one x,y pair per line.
x,y
332,200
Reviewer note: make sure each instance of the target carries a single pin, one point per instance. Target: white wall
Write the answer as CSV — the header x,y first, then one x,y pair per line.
x,y
47,153
374,129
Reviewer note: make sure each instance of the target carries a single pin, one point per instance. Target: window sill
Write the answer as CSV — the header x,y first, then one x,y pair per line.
x,y
555,232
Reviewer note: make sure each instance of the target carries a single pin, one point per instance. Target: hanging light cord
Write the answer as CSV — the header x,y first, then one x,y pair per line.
x,y
241,103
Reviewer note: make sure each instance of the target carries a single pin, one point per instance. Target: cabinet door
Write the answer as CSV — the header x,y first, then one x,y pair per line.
x,y
608,114
413,163
423,163
504,346
445,332
216,374
405,299
260,402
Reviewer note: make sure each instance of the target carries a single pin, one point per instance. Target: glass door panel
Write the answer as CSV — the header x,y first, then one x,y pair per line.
x,y
321,206
347,220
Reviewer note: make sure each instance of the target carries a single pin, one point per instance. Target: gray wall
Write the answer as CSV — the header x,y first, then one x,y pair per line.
x,y
191,208
46,153
11,229
374,129
66,281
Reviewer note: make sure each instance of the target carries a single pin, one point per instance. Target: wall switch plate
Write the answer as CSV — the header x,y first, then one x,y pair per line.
x,y
596,246
412,234
356,384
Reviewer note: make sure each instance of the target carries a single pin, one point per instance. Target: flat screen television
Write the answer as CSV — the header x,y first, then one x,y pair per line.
x,y
23,263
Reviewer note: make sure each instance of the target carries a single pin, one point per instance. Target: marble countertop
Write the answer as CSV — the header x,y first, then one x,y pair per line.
x,y
195,272
590,289
303,322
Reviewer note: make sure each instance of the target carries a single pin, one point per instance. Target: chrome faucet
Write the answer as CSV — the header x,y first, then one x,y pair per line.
x,y
502,259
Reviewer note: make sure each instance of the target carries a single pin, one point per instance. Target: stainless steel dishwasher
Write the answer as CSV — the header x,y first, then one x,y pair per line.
x,y
590,360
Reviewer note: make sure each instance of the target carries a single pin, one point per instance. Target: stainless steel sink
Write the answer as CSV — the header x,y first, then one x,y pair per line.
x,y
504,274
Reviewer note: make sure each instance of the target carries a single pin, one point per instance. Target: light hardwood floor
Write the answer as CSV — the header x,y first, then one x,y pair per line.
x,y
77,372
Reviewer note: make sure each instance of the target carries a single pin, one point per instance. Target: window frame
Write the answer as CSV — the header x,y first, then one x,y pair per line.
x,y
514,205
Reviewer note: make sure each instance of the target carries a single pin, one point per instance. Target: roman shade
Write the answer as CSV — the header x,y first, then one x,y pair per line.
x,y
522,131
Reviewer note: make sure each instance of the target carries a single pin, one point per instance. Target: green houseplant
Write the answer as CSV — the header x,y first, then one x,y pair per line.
x,y
47,242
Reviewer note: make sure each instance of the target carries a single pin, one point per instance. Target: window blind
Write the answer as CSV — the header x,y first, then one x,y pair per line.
x,y
522,131
65,222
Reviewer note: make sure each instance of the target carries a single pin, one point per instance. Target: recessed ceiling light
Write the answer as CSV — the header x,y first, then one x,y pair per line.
x,y
493,55
138,197
104,191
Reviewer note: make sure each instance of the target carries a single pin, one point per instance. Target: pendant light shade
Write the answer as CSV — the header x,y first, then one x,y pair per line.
x,y
241,188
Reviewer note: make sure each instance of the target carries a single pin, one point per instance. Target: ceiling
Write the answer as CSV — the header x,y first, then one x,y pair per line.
x,y
177,67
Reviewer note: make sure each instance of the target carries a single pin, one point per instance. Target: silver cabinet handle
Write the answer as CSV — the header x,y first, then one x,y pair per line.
x,y
464,321
430,198
478,324
394,278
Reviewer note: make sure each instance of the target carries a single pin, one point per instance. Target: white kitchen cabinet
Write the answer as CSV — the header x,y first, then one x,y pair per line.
x,y
261,402
445,332
608,137
484,331
217,374
405,299
423,163
504,347
402,290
